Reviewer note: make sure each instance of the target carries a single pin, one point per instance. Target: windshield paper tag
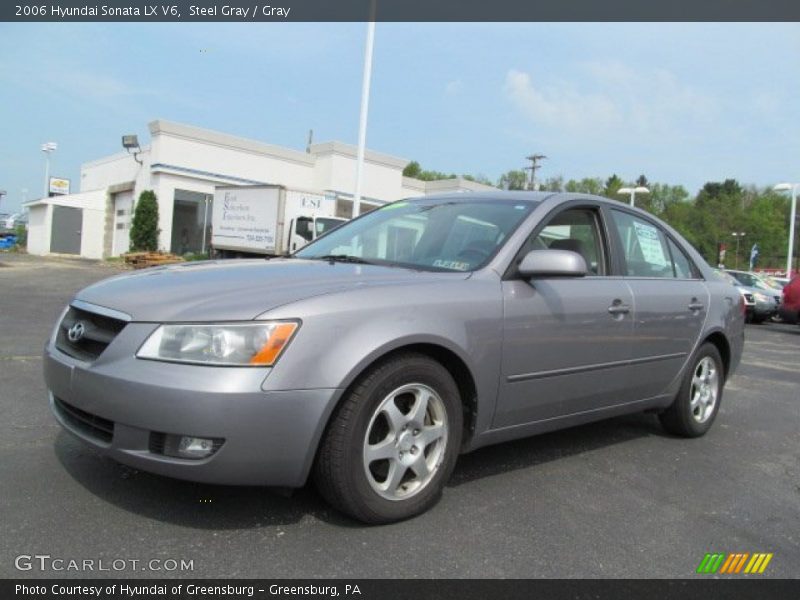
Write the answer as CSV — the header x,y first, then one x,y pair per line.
x,y
451,264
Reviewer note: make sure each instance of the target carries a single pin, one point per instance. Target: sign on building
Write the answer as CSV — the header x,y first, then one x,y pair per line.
x,y
59,186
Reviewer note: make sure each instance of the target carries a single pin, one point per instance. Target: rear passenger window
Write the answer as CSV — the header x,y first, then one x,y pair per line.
x,y
684,269
645,247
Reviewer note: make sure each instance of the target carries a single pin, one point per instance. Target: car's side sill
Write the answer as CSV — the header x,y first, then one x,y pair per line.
x,y
513,432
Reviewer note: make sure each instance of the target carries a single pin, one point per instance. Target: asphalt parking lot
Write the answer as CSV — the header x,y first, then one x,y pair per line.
x,y
614,499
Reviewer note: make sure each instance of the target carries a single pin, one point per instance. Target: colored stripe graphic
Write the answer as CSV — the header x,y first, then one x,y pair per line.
x,y
710,563
758,563
734,563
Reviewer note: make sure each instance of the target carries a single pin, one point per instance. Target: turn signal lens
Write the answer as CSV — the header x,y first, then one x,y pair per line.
x,y
276,342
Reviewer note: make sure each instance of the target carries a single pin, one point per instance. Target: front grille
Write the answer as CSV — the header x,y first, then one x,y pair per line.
x,y
90,425
97,333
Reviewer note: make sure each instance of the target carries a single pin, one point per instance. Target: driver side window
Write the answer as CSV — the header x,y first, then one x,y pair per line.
x,y
577,230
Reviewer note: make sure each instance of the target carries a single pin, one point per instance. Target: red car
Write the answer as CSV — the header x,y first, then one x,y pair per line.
x,y
790,306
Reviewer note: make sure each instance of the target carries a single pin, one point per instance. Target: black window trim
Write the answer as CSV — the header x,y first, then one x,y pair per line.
x,y
620,249
606,245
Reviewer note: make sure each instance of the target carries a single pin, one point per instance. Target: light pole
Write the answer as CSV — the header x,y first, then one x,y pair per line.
x,y
362,122
785,187
639,189
48,148
738,235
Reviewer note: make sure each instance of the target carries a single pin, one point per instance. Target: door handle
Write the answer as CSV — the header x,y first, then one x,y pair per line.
x,y
618,308
694,305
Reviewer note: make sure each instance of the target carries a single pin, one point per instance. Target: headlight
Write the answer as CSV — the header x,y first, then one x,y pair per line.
x,y
240,345
761,297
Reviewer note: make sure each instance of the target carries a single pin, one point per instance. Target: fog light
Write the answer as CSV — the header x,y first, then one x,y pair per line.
x,y
183,446
194,447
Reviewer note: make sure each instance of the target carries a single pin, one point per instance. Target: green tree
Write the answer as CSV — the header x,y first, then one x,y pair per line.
x,y
479,178
144,227
513,180
612,186
662,196
587,185
412,169
553,184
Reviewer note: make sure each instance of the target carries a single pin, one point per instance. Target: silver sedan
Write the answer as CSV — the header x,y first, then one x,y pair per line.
x,y
373,357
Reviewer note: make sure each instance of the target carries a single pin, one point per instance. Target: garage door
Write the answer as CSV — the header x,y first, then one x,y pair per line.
x,y
65,236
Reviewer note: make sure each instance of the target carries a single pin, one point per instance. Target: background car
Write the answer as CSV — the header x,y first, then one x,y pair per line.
x,y
789,310
759,304
766,308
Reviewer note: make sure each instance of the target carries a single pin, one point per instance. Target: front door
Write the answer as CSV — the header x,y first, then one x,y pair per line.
x,y
566,341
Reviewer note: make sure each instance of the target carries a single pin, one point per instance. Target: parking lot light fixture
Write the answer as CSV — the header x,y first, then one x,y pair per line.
x,y
639,189
790,187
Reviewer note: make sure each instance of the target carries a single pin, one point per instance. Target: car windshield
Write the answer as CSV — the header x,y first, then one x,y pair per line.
x,y
727,277
325,224
750,280
431,235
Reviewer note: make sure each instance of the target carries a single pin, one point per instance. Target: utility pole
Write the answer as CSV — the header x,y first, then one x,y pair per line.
x,y
534,158
310,141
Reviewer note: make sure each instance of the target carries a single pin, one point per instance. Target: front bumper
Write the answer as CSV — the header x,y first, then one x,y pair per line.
x,y
270,438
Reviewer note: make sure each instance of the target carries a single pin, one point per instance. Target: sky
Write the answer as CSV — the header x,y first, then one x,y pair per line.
x,y
681,103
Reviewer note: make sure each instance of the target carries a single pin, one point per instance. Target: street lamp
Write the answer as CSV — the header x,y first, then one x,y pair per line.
x,y
48,148
633,191
786,187
738,237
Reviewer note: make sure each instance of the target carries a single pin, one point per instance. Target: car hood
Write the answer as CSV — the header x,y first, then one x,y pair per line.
x,y
238,290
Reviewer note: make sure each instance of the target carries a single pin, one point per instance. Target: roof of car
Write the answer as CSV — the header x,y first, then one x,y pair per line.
x,y
516,196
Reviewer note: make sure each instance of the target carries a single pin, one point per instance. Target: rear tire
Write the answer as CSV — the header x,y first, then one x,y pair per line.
x,y
697,403
393,441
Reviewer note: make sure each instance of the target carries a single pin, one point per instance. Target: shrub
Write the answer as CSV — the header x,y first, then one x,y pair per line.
x,y
144,227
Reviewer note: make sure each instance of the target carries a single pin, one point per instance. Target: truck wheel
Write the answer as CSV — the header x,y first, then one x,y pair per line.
x,y
697,403
393,441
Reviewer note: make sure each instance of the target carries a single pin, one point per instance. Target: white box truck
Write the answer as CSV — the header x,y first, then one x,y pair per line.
x,y
268,220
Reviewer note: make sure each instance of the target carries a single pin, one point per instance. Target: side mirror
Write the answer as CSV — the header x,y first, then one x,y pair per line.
x,y
552,263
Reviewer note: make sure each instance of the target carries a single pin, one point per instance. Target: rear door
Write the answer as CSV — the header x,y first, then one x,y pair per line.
x,y
566,341
670,301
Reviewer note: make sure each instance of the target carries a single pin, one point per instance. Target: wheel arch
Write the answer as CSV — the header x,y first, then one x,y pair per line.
x,y
437,350
720,341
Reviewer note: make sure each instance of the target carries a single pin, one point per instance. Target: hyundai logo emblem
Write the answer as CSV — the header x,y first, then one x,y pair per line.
x,y
76,332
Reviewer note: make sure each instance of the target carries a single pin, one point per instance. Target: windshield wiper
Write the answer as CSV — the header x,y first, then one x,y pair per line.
x,y
345,258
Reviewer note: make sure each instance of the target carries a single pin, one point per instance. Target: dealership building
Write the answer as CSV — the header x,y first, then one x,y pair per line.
x,y
183,164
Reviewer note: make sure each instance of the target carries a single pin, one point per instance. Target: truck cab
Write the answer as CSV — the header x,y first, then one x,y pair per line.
x,y
303,230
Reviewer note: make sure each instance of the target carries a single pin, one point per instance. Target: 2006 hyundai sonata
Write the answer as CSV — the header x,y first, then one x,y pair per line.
x,y
374,356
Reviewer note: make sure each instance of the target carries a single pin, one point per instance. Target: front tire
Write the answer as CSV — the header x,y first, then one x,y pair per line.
x,y
393,441
697,403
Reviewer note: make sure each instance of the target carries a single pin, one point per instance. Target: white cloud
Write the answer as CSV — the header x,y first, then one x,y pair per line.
x,y
454,87
613,97
560,105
